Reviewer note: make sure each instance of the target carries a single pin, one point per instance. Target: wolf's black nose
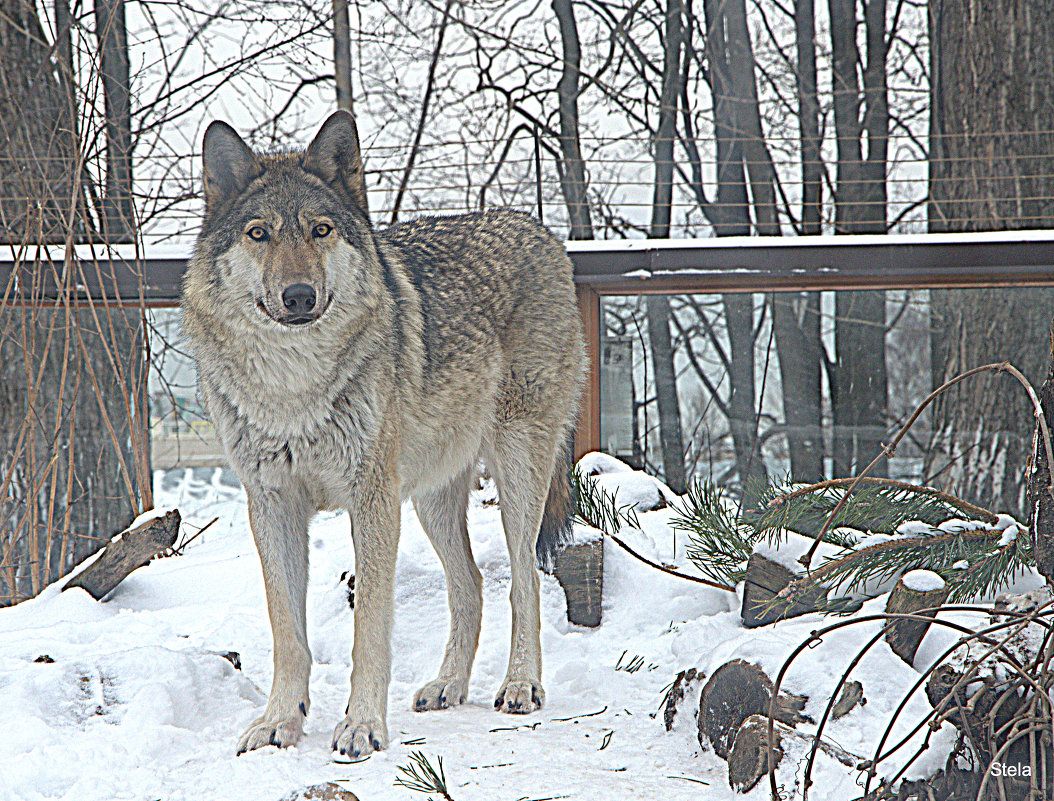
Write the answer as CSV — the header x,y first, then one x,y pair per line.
x,y
298,299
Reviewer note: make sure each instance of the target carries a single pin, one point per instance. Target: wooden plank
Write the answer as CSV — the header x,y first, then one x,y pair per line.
x,y
742,264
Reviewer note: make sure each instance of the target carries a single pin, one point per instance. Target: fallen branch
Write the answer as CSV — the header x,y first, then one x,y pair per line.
x,y
126,552
664,569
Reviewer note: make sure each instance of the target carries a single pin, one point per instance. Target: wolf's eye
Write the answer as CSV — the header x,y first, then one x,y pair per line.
x,y
258,233
321,230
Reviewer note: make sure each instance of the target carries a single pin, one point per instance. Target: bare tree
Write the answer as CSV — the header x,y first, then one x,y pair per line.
x,y
572,166
991,162
73,461
742,160
662,199
118,221
796,315
858,397
342,54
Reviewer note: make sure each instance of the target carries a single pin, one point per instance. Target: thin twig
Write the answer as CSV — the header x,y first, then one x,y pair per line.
x,y
650,563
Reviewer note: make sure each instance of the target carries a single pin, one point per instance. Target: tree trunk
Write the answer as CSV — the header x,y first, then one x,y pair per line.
x,y
71,380
38,149
992,155
796,316
659,305
737,130
118,223
572,167
342,54
859,395
1040,496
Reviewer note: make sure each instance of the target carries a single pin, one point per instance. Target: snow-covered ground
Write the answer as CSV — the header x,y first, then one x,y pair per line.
x,y
139,703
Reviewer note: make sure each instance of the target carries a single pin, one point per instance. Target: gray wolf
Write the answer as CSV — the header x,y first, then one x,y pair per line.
x,y
349,368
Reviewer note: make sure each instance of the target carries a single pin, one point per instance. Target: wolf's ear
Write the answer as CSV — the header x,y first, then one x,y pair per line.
x,y
229,164
334,157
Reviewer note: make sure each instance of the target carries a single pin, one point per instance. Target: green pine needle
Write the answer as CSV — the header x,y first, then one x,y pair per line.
x,y
421,777
721,538
598,508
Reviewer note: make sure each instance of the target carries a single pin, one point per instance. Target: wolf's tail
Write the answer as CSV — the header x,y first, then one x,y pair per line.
x,y
559,507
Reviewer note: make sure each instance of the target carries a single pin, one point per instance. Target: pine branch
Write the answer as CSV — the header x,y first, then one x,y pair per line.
x,y
421,777
599,509
974,511
720,541
717,544
940,551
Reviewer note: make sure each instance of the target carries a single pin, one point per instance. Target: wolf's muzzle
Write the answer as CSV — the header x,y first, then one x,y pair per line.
x,y
299,301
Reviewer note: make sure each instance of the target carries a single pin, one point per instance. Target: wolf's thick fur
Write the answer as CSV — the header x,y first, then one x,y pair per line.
x,y
346,368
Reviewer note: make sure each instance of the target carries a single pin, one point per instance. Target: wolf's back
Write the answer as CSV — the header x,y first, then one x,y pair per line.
x,y
508,267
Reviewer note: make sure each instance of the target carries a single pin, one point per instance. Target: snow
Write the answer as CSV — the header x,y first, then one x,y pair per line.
x,y
636,489
1009,536
140,702
147,516
792,547
597,463
922,581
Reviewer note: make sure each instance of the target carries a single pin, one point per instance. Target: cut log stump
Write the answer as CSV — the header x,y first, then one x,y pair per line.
x,y
915,591
748,761
736,691
580,571
763,583
126,552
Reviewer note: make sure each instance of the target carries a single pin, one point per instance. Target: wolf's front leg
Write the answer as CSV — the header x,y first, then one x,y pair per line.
x,y
375,531
279,520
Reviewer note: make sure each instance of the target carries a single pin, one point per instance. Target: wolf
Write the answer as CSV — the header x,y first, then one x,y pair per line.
x,y
346,367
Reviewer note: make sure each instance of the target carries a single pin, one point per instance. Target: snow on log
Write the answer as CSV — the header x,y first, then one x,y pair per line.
x,y
914,592
761,606
127,551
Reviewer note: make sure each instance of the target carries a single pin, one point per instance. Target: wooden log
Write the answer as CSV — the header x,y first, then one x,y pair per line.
x,y
748,760
915,591
327,791
676,694
736,691
852,696
126,552
763,583
580,571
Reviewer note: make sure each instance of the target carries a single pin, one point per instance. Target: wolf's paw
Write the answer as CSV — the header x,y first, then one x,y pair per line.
x,y
264,732
358,738
519,697
440,694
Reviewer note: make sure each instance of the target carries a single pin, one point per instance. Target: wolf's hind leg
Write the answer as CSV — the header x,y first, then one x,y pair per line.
x,y
279,523
523,461
442,515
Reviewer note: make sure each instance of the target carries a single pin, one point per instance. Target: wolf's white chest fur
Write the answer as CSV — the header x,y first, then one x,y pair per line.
x,y
287,408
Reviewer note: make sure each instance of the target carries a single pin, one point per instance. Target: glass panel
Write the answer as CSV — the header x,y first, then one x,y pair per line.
x,y
811,386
